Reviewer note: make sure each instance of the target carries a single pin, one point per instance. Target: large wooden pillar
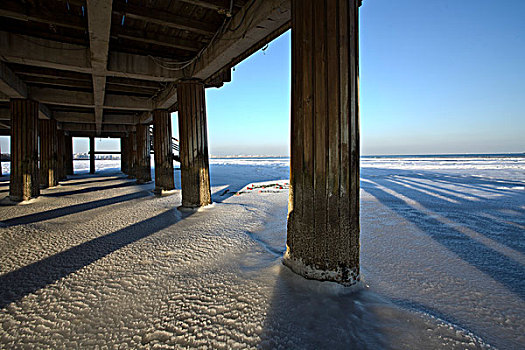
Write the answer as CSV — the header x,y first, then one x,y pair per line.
x,y
69,155
124,155
164,178
48,153
24,183
143,172
194,163
323,218
91,155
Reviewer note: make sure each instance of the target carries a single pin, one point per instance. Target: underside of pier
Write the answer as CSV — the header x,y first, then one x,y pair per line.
x,y
112,68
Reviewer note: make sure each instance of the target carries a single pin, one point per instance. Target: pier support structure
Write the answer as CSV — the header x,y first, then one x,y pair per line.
x,y
24,182
323,218
132,155
61,155
194,162
164,178
124,154
143,172
48,153
91,155
69,155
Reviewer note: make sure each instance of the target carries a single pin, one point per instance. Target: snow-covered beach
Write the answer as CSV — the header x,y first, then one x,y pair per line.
x,y
99,261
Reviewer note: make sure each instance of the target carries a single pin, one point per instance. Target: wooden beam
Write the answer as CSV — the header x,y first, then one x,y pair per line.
x,y
61,97
10,84
165,19
257,23
219,6
13,87
45,53
89,118
99,22
90,128
26,14
160,40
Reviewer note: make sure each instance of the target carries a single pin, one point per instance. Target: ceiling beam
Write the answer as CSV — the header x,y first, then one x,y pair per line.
x,y
45,53
60,97
13,87
219,7
257,23
89,118
99,24
18,11
159,40
85,127
165,19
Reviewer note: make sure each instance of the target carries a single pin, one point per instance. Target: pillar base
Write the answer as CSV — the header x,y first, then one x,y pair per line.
x,y
190,209
343,275
159,192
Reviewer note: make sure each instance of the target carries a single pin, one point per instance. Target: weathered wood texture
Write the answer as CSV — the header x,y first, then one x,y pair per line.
x,y
132,151
194,163
61,155
24,183
91,155
143,173
48,152
124,154
164,178
69,155
323,219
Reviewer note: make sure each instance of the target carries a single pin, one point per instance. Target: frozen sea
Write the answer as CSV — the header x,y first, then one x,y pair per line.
x,y
99,262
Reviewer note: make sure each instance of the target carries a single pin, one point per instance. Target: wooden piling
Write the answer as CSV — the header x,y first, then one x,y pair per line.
x,y
132,149
164,178
143,172
194,162
124,155
61,155
323,218
91,155
48,153
69,155
24,180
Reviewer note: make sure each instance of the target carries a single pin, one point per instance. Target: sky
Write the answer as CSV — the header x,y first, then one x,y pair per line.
x,y
436,77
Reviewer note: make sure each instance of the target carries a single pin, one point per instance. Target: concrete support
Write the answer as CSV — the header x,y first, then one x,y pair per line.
x,y
48,153
61,155
91,155
124,155
164,178
323,218
143,172
194,163
69,155
24,183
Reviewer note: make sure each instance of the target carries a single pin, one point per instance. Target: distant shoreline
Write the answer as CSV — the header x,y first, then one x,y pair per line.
x,y
455,155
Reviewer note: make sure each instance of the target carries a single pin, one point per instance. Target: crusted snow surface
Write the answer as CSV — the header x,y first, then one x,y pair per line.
x,y
98,261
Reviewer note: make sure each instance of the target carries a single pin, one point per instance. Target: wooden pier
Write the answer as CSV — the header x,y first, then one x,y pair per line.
x,y
103,68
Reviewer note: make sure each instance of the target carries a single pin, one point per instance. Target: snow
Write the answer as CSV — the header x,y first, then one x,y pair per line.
x,y
98,261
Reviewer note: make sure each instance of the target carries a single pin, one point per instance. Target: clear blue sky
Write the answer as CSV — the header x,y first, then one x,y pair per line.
x,y
437,76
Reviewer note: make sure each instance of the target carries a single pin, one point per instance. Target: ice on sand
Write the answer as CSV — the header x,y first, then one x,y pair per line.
x,y
104,263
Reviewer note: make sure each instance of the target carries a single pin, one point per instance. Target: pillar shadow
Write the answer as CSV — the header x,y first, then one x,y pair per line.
x,y
28,279
89,189
71,181
493,263
306,314
72,209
